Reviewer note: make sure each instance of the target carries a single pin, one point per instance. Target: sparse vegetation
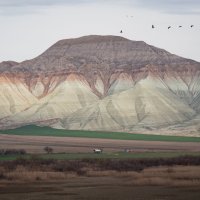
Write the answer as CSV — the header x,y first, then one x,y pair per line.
x,y
179,176
114,155
40,168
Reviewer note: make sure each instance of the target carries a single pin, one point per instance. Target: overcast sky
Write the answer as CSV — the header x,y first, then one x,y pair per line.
x,y
29,27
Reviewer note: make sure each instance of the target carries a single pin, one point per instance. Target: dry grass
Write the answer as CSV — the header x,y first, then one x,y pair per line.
x,y
157,176
169,176
21,173
35,175
150,172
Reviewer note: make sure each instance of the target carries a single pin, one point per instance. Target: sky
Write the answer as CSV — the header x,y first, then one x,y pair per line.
x,y
29,27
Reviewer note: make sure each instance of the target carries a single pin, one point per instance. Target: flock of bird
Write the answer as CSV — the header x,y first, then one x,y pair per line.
x,y
191,26
153,26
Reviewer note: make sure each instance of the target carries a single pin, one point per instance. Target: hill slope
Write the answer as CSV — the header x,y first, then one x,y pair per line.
x,y
103,83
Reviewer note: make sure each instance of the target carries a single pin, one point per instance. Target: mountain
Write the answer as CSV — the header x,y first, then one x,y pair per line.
x,y
106,83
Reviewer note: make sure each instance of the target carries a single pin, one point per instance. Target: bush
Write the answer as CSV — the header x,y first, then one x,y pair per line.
x,y
79,166
12,152
2,176
48,150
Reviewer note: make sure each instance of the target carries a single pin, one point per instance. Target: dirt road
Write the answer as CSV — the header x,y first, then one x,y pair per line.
x,y
36,144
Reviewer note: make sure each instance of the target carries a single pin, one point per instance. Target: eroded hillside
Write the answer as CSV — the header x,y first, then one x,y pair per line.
x,y
102,83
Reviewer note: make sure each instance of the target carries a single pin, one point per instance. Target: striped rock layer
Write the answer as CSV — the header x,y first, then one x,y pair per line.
x,y
104,83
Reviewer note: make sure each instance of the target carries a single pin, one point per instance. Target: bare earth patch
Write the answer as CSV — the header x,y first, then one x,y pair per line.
x,y
35,144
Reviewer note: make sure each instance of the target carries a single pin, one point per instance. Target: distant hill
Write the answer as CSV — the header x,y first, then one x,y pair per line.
x,y
103,83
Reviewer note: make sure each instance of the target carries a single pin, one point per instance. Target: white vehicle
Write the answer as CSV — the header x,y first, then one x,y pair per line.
x,y
97,150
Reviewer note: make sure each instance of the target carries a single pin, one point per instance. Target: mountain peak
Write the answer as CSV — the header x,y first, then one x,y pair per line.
x,y
105,83
92,39
96,52
114,51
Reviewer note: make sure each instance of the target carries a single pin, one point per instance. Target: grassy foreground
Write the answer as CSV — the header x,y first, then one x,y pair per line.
x,y
119,155
32,130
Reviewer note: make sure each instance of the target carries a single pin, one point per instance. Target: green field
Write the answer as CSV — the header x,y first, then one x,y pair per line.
x,y
119,155
47,131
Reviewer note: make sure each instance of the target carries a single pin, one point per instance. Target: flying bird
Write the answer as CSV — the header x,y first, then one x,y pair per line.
x,y
192,26
180,26
153,26
169,27
121,31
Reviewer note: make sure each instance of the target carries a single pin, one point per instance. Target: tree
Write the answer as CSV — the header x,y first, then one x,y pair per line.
x,y
48,150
